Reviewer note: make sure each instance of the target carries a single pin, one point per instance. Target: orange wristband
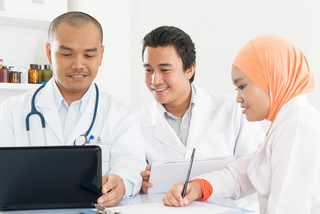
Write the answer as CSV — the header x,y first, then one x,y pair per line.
x,y
206,188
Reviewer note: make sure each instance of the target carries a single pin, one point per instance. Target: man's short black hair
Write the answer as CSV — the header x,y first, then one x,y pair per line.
x,y
164,36
75,19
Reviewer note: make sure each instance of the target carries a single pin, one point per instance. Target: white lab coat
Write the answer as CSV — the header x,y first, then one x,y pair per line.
x,y
285,170
217,128
123,151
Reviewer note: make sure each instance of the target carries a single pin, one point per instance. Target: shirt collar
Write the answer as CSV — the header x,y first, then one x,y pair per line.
x,y
59,100
191,105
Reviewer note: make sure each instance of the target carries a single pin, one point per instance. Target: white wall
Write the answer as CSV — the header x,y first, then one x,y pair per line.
x,y
22,46
218,28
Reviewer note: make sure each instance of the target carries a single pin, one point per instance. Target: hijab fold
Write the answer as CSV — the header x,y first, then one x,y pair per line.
x,y
276,66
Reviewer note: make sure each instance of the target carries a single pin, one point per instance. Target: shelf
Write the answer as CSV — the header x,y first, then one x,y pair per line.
x,y
18,86
19,19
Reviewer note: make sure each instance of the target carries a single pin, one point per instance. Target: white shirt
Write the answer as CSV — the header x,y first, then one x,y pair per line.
x,y
69,115
116,130
284,170
217,128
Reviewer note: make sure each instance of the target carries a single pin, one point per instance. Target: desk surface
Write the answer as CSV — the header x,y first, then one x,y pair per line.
x,y
138,199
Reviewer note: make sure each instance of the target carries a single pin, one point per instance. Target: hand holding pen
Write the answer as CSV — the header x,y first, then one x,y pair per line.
x,y
188,173
183,193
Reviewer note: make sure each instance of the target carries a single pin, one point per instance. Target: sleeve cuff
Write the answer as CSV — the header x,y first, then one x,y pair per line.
x,y
206,188
129,188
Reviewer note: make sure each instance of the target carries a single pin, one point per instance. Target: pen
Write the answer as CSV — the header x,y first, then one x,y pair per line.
x,y
188,174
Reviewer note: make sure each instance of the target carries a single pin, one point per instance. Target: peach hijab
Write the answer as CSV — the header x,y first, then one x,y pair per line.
x,y
276,66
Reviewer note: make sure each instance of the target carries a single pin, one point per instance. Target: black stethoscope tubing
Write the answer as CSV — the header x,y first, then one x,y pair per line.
x,y
34,111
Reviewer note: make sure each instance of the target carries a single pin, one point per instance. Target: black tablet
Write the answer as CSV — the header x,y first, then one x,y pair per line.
x,y
49,177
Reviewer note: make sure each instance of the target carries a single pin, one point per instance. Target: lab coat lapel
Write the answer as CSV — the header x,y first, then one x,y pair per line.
x,y
163,131
85,120
199,119
45,104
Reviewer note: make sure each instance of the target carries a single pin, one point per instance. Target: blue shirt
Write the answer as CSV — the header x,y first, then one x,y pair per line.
x,y
69,115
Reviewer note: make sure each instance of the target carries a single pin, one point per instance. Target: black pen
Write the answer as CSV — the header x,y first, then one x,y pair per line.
x,y
188,173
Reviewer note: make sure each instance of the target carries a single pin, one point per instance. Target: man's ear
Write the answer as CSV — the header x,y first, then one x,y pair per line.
x,y
102,51
190,71
48,52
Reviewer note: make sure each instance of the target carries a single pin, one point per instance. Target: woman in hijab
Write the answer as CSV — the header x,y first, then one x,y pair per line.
x,y
272,76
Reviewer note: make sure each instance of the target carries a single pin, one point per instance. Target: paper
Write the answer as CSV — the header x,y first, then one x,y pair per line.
x,y
192,208
165,174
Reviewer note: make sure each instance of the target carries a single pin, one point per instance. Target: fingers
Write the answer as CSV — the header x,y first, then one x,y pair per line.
x,y
104,179
110,199
194,192
173,196
109,182
145,183
113,191
146,173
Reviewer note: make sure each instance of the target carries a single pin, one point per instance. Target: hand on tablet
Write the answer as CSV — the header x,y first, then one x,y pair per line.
x,y
145,182
113,190
174,196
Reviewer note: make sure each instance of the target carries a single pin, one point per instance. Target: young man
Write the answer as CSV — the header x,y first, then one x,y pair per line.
x,y
185,116
68,102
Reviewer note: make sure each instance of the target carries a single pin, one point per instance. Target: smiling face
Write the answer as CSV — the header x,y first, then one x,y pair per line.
x,y
254,101
165,77
75,54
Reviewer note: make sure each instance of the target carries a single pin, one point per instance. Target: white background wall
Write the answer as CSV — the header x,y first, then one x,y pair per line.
x,y
218,28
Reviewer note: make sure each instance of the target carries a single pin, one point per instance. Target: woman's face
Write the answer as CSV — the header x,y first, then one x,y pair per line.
x,y
254,101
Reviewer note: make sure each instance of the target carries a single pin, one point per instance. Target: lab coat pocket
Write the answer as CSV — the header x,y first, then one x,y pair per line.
x,y
105,150
106,154
105,145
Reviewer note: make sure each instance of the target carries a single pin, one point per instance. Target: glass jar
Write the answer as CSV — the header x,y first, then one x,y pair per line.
x,y
15,75
33,74
4,74
46,74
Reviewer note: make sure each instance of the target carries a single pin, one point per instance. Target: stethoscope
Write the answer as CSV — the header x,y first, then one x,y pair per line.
x,y
81,140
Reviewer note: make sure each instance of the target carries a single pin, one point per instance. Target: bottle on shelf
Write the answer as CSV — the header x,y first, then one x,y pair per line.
x,y
40,73
33,74
45,74
15,75
4,74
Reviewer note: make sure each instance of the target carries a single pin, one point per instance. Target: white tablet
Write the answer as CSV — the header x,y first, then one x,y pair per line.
x,y
165,174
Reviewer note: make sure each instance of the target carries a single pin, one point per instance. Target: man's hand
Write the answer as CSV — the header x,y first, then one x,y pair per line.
x,y
113,190
145,182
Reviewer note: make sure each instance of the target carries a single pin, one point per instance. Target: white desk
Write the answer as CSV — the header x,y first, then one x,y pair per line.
x,y
138,199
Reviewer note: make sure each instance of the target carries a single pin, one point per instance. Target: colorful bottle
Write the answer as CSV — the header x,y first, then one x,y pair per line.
x,y
46,74
33,74
15,75
4,74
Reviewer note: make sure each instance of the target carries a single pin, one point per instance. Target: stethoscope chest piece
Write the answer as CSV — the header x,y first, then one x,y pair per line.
x,y
80,141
